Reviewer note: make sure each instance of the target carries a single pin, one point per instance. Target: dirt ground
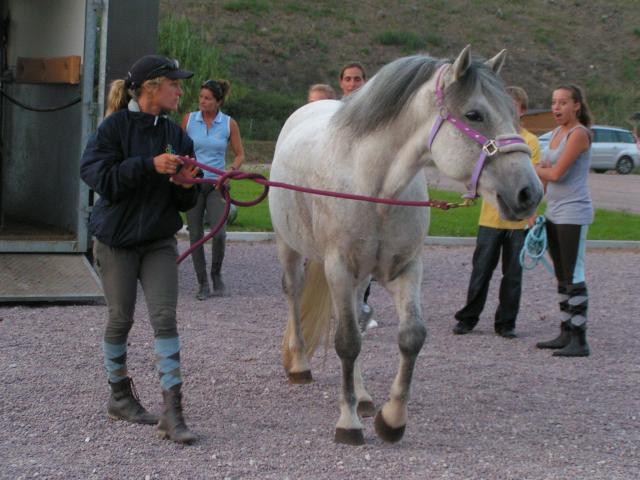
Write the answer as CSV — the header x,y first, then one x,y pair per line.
x,y
482,407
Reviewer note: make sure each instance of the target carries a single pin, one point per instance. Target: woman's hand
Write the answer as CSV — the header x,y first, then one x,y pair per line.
x,y
167,163
186,172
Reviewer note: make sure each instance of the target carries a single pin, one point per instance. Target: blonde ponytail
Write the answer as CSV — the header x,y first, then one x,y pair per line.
x,y
118,97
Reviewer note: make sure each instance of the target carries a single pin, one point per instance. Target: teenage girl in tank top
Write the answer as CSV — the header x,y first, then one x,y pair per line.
x,y
564,170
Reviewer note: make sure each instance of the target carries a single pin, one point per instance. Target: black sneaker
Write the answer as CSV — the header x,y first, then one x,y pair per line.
x,y
462,328
507,333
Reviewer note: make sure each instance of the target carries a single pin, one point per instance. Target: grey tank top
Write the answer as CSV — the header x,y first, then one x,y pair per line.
x,y
568,199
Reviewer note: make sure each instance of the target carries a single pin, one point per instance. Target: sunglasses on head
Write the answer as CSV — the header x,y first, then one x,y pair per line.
x,y
215,87
171,66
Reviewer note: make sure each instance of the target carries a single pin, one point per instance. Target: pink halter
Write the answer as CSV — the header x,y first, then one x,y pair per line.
x,y
489,146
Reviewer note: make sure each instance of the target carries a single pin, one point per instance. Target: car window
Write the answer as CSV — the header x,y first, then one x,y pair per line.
x,y
601,135
625,137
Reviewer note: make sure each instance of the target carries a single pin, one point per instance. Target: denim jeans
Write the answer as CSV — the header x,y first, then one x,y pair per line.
x,y
489,244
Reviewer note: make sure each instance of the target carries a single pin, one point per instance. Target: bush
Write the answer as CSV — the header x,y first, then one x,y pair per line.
x,y
405,39
262,114
178,38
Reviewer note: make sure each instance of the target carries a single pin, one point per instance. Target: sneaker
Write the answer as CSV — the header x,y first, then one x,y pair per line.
x,y
365,317
507,333
371,324
461,328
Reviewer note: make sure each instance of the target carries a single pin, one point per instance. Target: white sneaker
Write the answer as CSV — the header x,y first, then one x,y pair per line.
x,y
365,318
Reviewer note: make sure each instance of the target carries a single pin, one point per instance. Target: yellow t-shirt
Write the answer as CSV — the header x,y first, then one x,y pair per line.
x,y
489,216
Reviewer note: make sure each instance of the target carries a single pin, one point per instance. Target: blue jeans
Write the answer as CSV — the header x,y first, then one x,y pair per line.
x,y
489,244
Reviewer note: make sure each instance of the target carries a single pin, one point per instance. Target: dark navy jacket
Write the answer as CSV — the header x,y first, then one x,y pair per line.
x,y
137,205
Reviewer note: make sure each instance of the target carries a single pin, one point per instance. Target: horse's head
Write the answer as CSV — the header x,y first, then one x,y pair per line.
x,y
475,137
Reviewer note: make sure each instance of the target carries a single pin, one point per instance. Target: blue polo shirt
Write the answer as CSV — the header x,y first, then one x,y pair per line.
x,y
210,145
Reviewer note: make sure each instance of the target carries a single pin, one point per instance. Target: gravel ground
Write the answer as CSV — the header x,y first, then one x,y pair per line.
x,y
482,407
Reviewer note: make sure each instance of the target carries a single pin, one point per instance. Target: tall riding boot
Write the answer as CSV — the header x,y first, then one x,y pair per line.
x,y
218,248
578,302
124,404
172,425
203,291
577,346
561,340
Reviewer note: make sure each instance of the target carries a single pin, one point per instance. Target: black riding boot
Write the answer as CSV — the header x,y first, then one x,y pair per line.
x,y
172,425
577,346
124,404
561,340
203,291
219,288
218,248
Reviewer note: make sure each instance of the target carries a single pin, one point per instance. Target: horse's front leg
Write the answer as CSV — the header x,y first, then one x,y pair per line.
x,y
391,419
347,344
366,407
294,358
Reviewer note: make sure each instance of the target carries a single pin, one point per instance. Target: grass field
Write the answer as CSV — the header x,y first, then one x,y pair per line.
x,y
460,222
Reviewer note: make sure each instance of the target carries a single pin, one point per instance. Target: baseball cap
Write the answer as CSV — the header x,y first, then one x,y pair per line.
x,y
154,66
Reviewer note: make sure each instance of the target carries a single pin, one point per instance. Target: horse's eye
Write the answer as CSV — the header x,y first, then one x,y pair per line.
x,y
474,116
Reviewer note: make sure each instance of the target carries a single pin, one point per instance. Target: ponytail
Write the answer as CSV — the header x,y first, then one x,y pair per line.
x,y
118,97
120,94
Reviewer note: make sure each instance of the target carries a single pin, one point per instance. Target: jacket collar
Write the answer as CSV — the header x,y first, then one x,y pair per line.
x,y
146,119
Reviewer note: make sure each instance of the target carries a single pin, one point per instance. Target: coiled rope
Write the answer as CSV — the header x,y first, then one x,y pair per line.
x,y
535,245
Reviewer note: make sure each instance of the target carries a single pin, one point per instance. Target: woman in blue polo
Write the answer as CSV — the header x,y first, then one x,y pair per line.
x,y
211,132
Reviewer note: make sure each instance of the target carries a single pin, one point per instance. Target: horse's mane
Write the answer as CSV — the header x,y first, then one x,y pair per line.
x,y
383,97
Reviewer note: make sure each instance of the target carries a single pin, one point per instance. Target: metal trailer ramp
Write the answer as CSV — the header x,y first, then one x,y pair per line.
x,y
41,277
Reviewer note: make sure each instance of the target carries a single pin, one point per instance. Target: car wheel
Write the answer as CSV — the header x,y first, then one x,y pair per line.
x,y
599,170
624,165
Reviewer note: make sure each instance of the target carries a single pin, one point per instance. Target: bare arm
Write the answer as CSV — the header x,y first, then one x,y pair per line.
x,y
236,145
577,143
185,120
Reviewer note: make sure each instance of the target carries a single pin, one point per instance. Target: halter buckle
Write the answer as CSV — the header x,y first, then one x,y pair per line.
x,y
490,148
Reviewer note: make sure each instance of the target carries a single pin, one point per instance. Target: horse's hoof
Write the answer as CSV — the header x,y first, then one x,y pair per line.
x,y
366,408
385,432
350,436
300,377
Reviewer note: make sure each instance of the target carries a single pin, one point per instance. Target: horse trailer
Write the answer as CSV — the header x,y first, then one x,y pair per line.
x,y
55,61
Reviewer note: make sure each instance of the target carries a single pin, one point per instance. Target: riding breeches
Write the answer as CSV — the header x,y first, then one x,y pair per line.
x,y
567,249
120,269
211,202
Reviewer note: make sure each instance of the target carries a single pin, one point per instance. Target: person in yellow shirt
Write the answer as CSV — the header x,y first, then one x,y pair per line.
x,y
496,236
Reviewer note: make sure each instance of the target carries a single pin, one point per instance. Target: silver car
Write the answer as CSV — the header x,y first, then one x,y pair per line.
x,y
613,148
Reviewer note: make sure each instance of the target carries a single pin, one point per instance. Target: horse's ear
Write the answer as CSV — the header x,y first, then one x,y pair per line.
x,y
462,63
497,62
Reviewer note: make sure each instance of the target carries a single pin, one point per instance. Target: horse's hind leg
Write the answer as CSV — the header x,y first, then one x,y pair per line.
x,y
391,419
347,344
294,358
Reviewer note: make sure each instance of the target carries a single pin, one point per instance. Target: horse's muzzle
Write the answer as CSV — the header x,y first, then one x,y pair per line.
x,y
523,204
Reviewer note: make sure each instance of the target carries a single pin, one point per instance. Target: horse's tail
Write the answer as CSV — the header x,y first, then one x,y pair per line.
x,y
315,313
